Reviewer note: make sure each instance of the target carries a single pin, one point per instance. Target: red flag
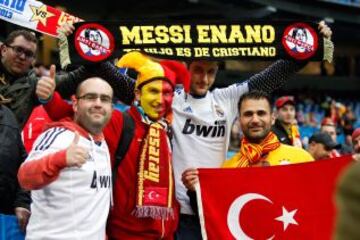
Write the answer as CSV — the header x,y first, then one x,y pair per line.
x,y
279,202
155,195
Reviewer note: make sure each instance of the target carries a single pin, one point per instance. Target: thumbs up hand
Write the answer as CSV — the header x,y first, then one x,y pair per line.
x,y
46,85
76,155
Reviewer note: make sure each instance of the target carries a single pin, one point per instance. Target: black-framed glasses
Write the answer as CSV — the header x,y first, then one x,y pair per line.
x,y
20,50
92,97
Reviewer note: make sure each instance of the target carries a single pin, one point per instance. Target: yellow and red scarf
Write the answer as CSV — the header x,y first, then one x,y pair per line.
x,y
294,135
155,191
251,153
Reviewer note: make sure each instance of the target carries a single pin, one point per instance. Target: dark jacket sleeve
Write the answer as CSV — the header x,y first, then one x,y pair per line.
x,y
122,85
67,83
275,76
12,155
22,198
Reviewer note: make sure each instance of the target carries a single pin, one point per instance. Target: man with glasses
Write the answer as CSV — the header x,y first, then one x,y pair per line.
x,y
69,170
17,78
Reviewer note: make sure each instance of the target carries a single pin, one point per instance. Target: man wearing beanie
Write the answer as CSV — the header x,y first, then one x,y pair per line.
x,y
285,126
145,206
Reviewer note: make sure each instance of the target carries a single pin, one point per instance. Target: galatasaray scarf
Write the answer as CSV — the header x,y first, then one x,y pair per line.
x,y
251,153
155,180
294,135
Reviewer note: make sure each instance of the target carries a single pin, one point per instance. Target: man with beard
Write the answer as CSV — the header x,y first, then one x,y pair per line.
x,y
69,170
259,146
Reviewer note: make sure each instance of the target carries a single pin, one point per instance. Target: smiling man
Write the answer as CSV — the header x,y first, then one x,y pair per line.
x,y
256,118
259,147
69,170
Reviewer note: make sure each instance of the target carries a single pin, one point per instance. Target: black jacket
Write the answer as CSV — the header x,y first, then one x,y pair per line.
x,y
12,154
20,91
281,133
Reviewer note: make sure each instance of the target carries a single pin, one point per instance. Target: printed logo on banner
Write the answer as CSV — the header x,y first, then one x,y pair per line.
x,y
40,14
94,42
300,41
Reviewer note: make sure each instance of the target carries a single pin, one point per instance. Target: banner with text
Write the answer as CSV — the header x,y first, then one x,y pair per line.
x,y
93,41
280,202
35,15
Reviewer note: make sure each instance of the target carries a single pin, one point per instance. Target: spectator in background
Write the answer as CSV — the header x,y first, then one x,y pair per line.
x,y
320,145
356,140
328,126
347,124
285,126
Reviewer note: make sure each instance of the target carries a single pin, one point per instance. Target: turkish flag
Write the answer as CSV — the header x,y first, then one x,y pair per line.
x,y
155,195
278,202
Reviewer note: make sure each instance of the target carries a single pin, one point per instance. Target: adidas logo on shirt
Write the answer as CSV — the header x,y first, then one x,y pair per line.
x,y
188,109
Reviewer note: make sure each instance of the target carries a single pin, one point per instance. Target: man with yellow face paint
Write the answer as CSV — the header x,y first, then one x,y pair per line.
x,y
155,98
145,206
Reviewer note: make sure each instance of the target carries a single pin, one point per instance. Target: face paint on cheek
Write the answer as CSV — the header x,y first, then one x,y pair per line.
x,y
167,97
151,99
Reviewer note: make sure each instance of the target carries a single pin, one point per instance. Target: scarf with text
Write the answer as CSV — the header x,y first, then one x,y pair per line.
x,y
250,153
155,180
209,40
181,40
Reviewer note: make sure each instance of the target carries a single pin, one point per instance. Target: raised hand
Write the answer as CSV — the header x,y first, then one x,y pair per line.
x,y
76,155
325,30
66,29
46,85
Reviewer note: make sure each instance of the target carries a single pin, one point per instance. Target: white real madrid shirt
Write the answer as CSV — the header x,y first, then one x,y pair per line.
x,y
202,129
76,204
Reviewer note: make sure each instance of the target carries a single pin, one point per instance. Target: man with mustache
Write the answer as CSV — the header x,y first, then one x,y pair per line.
x,y
259,147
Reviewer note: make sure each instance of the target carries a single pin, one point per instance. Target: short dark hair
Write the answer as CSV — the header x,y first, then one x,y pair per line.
x,y
190,61
88,30
29,36
255,95
298,29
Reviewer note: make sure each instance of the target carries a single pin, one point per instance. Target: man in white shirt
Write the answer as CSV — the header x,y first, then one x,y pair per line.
x,y
69,170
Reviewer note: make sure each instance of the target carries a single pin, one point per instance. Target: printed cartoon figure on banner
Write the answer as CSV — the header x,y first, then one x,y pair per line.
x,y
94,42
300,41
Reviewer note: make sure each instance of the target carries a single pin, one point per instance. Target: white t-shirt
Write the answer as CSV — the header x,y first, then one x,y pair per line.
x,y
202,131
76,204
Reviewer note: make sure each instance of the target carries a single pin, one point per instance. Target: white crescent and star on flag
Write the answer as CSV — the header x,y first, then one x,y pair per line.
x,y
287,217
